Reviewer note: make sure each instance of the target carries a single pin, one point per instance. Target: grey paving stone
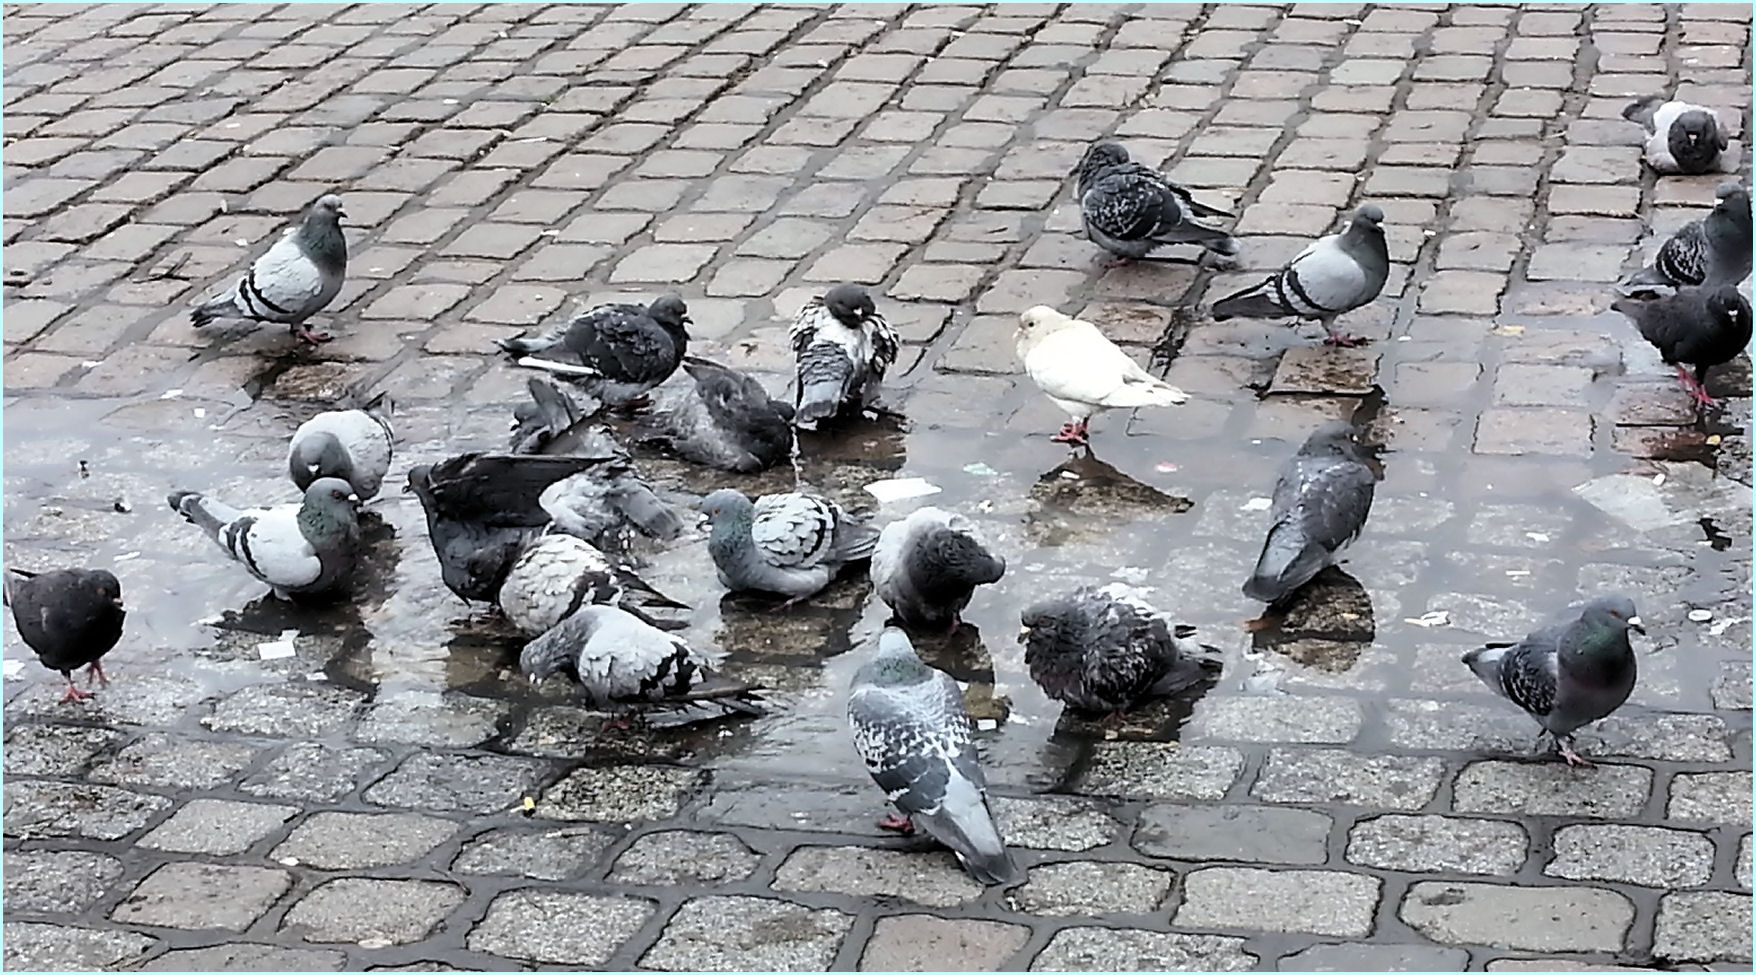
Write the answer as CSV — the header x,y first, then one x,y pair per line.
x,y
32,947
296,710
377,912
558,928
1647,855
1527,918
549,854
1702,927
1330,775
217,827
1092,889
442,721
198,896
311,772
1052,823
1329,902
1331,720
1666,737
620,793
247,957
1374,958
1188,831
456,783
35,810
175,762
747,934
685,857
1731,689
1556,965
924,943
1742,871
356,841
1710,797
1551,789
53,749
1127,949
831,807
1438,844
57,881
1160,770
932,878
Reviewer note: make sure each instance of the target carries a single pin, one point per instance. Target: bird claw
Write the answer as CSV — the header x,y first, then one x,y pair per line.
x,y
1073,434
1343,341
314,338
1115,262
75,694
96,672
1571,757
897,824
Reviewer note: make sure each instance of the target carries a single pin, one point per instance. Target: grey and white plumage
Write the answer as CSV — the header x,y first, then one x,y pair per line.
x,y
619,662
1569,674
842,348
1320,506
1130,210
791,544
1333,276
616,352
1699,327
714,415
1680,138
294,279
554,575
70,618
927,566
1106,649
304,548
1083,372
354,445
912,730
1711,251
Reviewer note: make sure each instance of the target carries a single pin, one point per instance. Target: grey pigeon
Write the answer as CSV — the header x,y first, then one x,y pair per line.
x,y
303,548
620,662
927,566
1320,505
791,544
1568,675
1107,649
1130,210
556,574
841,347
1333,276
911,728
716,416
615,352
1711,251
295,279
1680,138
1700,327
70,617
1083,372
354,445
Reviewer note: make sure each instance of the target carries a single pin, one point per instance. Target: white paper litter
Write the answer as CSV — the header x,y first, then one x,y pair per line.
x,y
125,556
1437,617
277,649
12,668
171,393
1258,504
898,489
1700,615
987,724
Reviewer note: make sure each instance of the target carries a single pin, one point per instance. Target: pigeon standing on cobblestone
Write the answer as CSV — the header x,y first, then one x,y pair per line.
x,y
1700,327
1320,506
1084,373
1680,138
70,617
300,549
1568,675
1107,649
791,544
621,662
927,566
354,445
557,574
615,352
294,279
1711,251
1333,276
1130,210
911,728
842,348
714,415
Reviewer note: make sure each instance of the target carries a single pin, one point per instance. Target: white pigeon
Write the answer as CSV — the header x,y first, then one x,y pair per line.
x,y
1083,372
354,445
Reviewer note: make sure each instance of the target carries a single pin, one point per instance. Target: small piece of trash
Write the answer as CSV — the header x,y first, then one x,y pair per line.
x,y
373,943
1713,440
125,556
987,724
1715,630
1166,467
900,488
1258,504
1658,479
171,393
986,506
979,470
277,649
288,861
93,364
1700,615
210,621
530,805
1509,330
1537,536
201,412
1516,573
1437,617
1069,475
12,668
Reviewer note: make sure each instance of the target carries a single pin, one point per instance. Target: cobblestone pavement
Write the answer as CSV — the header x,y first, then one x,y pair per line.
x,y
1346,797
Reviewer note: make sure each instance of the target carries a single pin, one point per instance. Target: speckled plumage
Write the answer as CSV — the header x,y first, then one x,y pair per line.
x,y
792,544
1130,210
557,574
294,279
714,415
1710,252
615,352
620,661
1107,649
842,348
926,567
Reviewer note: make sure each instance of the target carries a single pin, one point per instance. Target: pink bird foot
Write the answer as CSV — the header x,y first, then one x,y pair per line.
x,y
1073,434
314,338
96,670
1343,340
1697,391
1573,758
897,824
75,694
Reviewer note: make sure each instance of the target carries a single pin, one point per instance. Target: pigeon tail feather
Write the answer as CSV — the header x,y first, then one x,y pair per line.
x,y
524,345
983,854
824,372
212,516
208,312
1289,560
648,513
1195,662
1256,302
1641,110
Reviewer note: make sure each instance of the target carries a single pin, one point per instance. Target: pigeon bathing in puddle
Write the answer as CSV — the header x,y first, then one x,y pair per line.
x,y
1084,373
1700,327
842,348
1321,501
791,544
1130,210
302,548
716,416
615,352
555,575
1568,675
1711,251
1107,649
295,279
913,732
354,445
927,566
1333,276
1681,138
70,617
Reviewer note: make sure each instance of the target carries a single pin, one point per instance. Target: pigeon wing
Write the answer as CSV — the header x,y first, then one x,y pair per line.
x,y
793,531
282,284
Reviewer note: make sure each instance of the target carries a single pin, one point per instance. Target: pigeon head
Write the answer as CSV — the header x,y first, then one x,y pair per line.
x,y
549,655
103,584
1729,307
849,303
320,236
1368,218
1734,204
1338,439
670,312
1697,128
726,505
958,560
318,455
328,208
329,508
1613,613
420,482
1036,324
1101,156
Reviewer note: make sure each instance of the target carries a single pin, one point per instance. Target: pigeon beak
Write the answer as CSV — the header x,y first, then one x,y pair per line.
x,y
354,498
117,602
312,467
1023,633
408,489
1637,626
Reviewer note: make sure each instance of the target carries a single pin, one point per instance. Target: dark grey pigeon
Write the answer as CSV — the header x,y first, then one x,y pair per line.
x,y
615,352
1107,649
927,566
554,575
1711,251
842,348
354,445
1130,210
70,617
1700,327
791,544
305,548
1680,138
621,662
1320,505
1568,675
911,728
295,279
716,416
1333,276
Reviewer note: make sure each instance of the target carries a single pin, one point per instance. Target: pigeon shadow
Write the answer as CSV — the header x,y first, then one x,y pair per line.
x,y
1326,623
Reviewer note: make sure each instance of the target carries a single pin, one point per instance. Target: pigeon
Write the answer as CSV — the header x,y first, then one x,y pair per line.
x,y
1130,210
1107,649
620,661
615,352
1700,327
70,617
1084,373
928,565
791,544
1320,505
716,416
1680,138
1711,251
299,549
842,348
911,729
1568,675
1333,276
354,445
295,279
554,575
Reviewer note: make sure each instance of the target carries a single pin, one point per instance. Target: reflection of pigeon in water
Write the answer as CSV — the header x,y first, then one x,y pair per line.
x,y
304,548
791,544
927,566
842,348
1130,210
717,416
1680,137
70,617
1083,372
1320,505
557,574
1700,327
354,445
1333,276
619,661
1107,649
615,352
1711,251
1568,675
292,280
918,743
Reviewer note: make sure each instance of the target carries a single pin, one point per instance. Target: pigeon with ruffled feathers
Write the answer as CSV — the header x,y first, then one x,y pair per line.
x,y
1130,210
1106,649
554,575
1681,138
296,278
1333,276
305,548
716,416
354,445
927,566
1711,251
1699,327
622,663
1321,501
791,544
842,348
615,352
1083,372
70,618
